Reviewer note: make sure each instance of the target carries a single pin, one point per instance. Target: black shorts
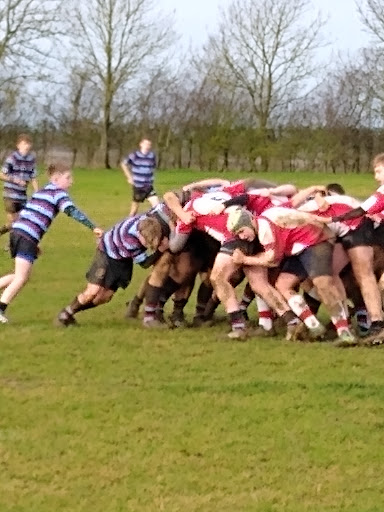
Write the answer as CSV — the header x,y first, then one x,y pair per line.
x,y
109,273
140,194
22,247
248,248
203,248
364,235
13,205
378,235
313,262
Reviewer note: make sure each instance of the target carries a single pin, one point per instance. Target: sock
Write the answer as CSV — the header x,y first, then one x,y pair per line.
x,y
203,295
340,321
301,309
265,314
312,301
237,320
179,305
152,295
247,298
3,307
210,308
138,300
4,229
290,318
76,306
362,319
169,288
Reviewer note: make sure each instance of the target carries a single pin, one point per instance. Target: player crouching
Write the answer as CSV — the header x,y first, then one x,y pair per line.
x,y
303,252
123,245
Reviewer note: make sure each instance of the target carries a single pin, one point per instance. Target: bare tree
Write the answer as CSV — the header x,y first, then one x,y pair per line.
x,y
27,29
117,41
372,16
265,50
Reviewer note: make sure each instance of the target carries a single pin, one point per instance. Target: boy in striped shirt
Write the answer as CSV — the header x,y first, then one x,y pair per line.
x,y
33,222
126,243
18,171
139,168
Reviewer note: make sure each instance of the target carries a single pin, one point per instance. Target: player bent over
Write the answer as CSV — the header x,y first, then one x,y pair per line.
x,y
123,245
33,222
307,253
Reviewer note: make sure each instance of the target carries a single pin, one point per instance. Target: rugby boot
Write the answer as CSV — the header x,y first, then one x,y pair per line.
x,y
65,319
177,319
346,340
296,332
153,323
133,308
261,332
238,334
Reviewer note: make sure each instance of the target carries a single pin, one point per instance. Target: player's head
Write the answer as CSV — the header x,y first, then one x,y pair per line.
x,y
335,189
150,232
24,144
378,168
145,145
240,222
61,175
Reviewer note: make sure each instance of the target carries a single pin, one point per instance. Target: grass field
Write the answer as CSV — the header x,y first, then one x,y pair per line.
x,y
110,418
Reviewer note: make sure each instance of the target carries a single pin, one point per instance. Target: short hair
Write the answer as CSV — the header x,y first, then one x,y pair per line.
x,y
23,137
378,160
150,229
336,188
59,168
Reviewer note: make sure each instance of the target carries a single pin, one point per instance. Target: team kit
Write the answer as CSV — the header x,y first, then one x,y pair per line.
x,y
295,250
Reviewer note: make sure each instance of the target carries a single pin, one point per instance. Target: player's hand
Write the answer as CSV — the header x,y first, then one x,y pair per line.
x,y
164,245
264,192
19,182
376,218
98,232
217,208
327,220
188,217
238,257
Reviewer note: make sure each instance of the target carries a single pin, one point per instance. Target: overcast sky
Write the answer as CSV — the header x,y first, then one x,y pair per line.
x,y
196,17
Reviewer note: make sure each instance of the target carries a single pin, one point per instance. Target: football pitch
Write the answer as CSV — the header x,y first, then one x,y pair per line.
x,y
108,417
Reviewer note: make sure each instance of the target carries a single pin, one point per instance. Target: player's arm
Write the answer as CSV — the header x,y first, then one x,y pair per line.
x,y
283,190
5,174
265,259
80,217
127,171
177,241
172,200
35,184
213,182
301,196
152,259
352,214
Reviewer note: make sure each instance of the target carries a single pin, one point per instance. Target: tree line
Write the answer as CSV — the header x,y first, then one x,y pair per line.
x,y
90,78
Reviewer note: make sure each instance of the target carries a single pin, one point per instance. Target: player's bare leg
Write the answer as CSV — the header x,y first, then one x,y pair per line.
x,y
134,209
222,271
153,201
93,295
153,289
13,284
133,306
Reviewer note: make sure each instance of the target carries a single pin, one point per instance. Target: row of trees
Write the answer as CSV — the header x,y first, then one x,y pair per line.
x,y
90,78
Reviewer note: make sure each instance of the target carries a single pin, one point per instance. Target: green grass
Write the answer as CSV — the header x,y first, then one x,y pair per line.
x,y
109,418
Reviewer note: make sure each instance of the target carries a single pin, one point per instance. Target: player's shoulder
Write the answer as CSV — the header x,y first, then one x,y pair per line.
x,y
380,190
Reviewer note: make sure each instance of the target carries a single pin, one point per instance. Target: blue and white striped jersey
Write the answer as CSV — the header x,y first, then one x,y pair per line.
x,y
39,212
22,167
